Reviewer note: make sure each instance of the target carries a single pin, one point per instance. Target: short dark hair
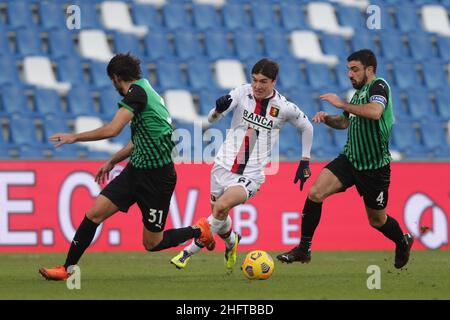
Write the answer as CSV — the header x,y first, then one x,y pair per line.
x,y
366,57
267,68
126,66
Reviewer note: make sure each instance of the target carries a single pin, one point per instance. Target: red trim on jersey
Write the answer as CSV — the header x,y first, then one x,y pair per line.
x,y
243,151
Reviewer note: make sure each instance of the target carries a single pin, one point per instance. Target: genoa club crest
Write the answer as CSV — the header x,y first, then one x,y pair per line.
x,y
274,110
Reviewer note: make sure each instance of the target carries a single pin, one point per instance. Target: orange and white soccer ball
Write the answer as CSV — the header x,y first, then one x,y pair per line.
x,y
258,265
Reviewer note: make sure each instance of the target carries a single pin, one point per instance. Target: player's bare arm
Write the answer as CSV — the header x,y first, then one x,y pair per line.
x,y
112,129
333,121
372,110
122,154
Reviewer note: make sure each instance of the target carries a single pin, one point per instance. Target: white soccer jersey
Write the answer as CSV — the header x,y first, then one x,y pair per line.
x,y
255,130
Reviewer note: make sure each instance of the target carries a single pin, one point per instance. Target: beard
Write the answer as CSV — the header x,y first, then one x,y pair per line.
x,y
359,85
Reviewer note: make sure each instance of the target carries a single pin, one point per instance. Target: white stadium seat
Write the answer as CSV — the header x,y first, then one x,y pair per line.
x,y
322,17
94,45
115,15
38,71
361,4
156,3
229,73
87,123
180,104
216,3
305,45
435,19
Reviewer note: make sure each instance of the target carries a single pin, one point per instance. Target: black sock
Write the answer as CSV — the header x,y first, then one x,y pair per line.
x,y
391,229
310,220
174,237
82,239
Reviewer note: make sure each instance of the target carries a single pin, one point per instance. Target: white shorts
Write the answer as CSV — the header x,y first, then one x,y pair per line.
x,y
222,179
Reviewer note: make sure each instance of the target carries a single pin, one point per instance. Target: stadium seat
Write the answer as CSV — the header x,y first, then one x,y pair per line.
x,y
20,105
290,75
127,42
187,45
335,45
61,44
169,75
434,138
305,45
435,19
53,126
322,17
217,3
94,45
434,75
406,75
200,75
305,100
419,104
444,48
80,102
115,15
205,16
324,147
217,46
235,17
48,103
247,45
176,16
276,45
87,123
180,104
38,71
406,139
342,76
229,74
98,73
263,16
364,40
23,132
157,46
124,137
421,46
109,98
10,72
407,18
70,69
207,100
28,42
340,138
19,14
351,16
90,18
319,76
52,16
292,16
443,103
27,152
392,46
147,15
290,142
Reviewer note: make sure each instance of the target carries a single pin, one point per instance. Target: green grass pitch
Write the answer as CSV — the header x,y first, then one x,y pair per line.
x,y
141,275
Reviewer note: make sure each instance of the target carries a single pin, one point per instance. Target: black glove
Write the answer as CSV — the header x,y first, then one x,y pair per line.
x,y
303,173
223,103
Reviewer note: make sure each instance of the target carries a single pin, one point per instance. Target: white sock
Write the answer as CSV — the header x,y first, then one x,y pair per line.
x,y
226,227
216,224
193,248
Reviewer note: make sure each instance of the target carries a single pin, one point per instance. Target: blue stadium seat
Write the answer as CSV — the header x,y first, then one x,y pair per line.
x,y
200,75
434,75
406,75
53,126
187,45
207,100
48,103
247,45
68,152
420,106
364,40
124,42
407,18
9,70
290,142
444,48
123,137
235,17
421,46
217,46
276,45
335,45
98,74
205,17
70,69
443,103
147,15
340,138
324,147
292,16
406,139
319,76
342,76
169,75
263,16
28,42
305,100
19,14
52,15
109,98
18,106
6,49
28,152
61,43
80,102
392,46
290,75
157,46
175,16
351,16
434,137
23,132
90,16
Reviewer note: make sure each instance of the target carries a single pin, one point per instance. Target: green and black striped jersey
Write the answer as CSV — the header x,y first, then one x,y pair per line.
x,y
151,129
367,144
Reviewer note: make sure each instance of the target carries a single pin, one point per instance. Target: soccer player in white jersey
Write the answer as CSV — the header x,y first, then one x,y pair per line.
x,y
259,111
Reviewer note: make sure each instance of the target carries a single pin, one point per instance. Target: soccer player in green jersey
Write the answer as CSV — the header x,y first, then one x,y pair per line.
x,y
149,178
364,162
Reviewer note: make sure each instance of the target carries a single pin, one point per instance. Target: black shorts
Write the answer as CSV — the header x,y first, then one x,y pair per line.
x,y
151,189
372,185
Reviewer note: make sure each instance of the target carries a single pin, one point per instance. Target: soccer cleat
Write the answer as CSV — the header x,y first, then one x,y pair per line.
x,y
230,254
296,254
403,251
57,273
181,260
206,237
